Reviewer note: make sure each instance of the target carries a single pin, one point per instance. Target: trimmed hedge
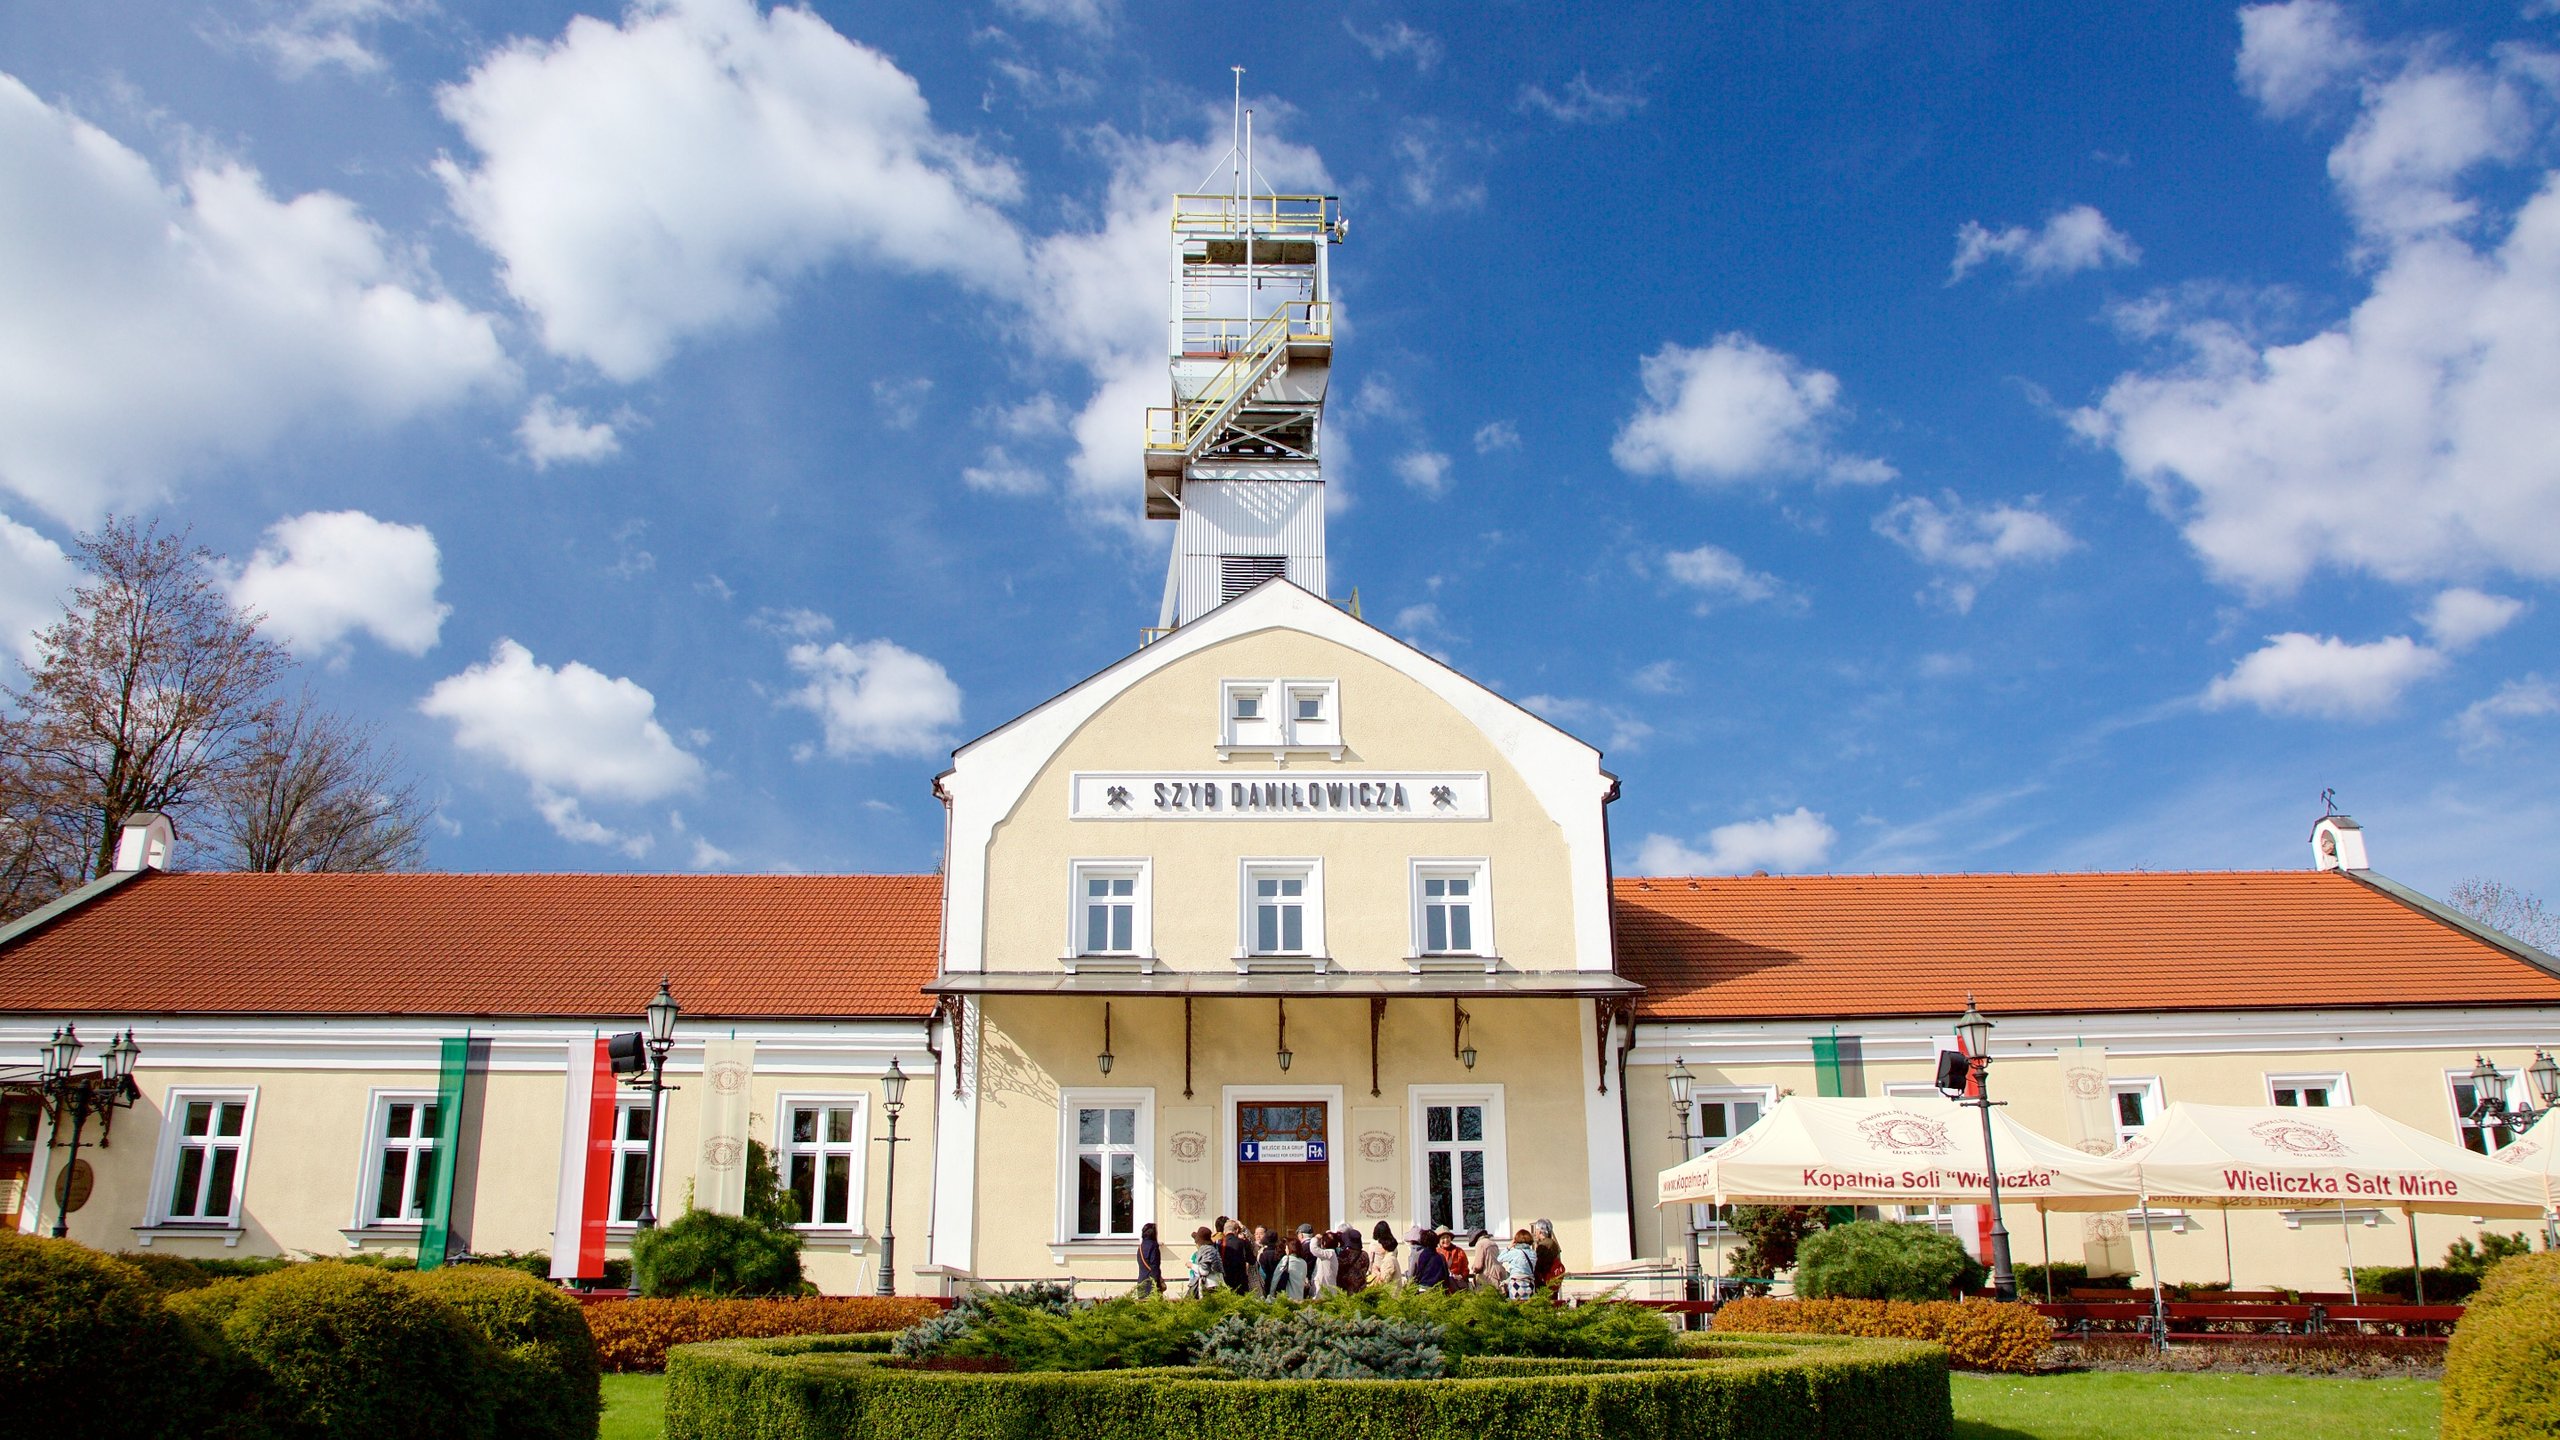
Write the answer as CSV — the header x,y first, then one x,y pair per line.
x,y
1797,1388
2502,1371
545,1385
1978,1334
87,1339
636,1334
346,1350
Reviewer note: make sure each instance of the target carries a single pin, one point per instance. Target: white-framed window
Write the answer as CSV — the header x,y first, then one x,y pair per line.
x,y
2137,1103
204,1157
825,1144
1717,1114
631,1118
400,1157
1452,910
2477,1138
1280,714
2316,1091
1108,908
1106,1185
1460,1161
1283,908
1941,1216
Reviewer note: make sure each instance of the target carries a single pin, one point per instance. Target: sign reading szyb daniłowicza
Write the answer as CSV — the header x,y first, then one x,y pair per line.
x,y
1280,1152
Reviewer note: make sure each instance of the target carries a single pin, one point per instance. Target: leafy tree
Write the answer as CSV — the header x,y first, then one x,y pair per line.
x,y
2501,906
1771,1234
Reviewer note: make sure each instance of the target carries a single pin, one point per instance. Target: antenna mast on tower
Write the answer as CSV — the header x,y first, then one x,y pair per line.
x,y
1235,461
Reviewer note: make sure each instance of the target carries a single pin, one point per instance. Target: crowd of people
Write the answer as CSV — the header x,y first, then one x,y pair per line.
x,y
1313,1262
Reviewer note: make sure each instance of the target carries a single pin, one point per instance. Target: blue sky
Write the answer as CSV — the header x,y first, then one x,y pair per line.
x,y
1979,438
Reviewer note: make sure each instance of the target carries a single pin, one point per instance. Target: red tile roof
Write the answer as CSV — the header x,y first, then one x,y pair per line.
x,y
1825,946
444,944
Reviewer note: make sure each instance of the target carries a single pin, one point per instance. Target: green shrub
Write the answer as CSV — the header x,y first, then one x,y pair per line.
x,y
1879,1260
701,1253
86,1338
170,1273
1311,1345
546,1385
1770,1236
348,1351
1777,1389
2464,1257
2398,1284
2032,1278
2502,1371
1978,1334
1482,1322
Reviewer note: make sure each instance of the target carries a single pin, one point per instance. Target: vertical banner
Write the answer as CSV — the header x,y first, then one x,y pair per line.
x,y
2089,1123
586,1163
720,1167
450,1130
1839,1068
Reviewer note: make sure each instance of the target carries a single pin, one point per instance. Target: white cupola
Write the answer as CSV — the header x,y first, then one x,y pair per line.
x,y
2337,843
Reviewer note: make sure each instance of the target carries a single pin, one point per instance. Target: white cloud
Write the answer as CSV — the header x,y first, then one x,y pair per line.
x,y
1615,728
2292,55
1719,573
2068,242
1426,178
1094,16
1583,102
2414,440
874,698
1424,470
573,730
1662,677
320,577
570,821
1794,840
1974,541
35,584
553,434
2324,677
2460,618
309,35
1497,435
901,402
1736,410
153,327
2482,724
707,856
998,473
666,177
1397,38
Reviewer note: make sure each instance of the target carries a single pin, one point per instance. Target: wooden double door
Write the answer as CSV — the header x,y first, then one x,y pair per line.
x,y
1283,1194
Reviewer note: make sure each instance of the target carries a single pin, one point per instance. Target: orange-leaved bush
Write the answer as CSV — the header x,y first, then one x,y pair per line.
x,y
635,1334
1978,1334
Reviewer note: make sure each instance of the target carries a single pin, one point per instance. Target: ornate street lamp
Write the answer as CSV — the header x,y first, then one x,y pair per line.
x,y
2489,1094
1692,1284
1973,1033
661,1020
62,1088
893,1098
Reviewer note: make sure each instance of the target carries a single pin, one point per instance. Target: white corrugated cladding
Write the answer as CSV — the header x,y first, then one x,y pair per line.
x,y
1248,518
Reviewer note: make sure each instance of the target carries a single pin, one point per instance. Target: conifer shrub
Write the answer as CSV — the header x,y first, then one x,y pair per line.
x,y
545,1385
87,1339
2502,1369
703,1254
1312,1345
1879,1260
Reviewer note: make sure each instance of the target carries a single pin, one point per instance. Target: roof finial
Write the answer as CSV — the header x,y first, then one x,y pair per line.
x,y
2328,802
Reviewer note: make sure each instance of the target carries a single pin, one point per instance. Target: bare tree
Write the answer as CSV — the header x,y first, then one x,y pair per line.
x,y
2501,906
314,793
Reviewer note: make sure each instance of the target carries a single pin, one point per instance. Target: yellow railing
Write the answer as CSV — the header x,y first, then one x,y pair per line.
x,y
1178,428
1225,215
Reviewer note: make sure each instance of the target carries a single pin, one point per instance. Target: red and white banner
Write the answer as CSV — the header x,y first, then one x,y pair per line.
x,y
586,1164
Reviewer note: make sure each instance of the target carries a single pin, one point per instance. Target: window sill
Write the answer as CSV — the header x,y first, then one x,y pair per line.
x,y
1453,963
1280,754
1062,1251
143,1235
386,1233
2173,1221
833,1237
1146,964
1283,964
2363,1215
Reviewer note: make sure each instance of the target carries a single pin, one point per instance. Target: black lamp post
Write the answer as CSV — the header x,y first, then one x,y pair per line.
x,y
2489,1093
893,1098
661,1014
101,1092
1692,1284
1973,1032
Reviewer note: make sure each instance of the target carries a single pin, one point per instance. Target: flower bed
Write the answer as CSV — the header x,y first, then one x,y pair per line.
x,y
1979,1335
1763,1388
636,1334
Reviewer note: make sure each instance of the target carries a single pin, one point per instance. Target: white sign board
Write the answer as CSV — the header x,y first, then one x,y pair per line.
x,y
1331,793
1279,1152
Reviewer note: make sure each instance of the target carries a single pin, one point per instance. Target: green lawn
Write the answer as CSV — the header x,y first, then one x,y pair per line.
x,y
633,1406
2123,1405
2092,1406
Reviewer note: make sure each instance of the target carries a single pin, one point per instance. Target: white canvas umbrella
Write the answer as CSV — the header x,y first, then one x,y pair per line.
x,y
2278,1157
1889,1150
2536,1155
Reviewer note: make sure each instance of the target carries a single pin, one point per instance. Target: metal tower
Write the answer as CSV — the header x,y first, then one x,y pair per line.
x,y
1235,461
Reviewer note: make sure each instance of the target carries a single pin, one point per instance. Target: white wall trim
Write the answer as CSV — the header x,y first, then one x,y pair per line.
x,y
2145,1033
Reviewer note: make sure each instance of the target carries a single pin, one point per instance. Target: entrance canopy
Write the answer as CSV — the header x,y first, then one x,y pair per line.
x,y
2537,1154
1904,1149
2276,1157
